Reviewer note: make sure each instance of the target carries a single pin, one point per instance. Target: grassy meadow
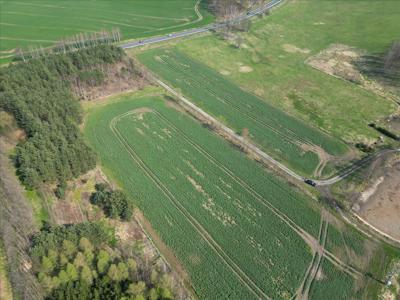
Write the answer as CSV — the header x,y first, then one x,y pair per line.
x,y
271,61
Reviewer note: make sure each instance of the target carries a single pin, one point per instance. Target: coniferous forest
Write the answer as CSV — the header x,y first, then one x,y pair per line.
x,y
38,93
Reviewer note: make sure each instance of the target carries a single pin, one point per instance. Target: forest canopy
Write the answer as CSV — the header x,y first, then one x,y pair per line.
x,y
39,94
83,261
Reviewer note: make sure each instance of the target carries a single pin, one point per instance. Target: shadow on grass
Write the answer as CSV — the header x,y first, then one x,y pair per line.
x,y
384,68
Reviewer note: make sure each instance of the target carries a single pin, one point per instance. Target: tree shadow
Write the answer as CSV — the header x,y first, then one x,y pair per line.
x,y
383,68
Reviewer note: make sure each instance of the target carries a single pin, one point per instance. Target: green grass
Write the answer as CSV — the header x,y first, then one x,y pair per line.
x,y
183,179
40,211
345,240
279,134
284,80
42,22
334,285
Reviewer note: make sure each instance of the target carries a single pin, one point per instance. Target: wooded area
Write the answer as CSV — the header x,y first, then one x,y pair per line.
x,y
39,95
83,261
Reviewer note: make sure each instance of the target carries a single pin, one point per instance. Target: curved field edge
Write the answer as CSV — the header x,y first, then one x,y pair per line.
x,y
41,23
200,257
159,222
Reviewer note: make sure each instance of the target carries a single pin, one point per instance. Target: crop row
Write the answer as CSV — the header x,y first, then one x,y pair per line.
x,y
283,136
332,283
262,247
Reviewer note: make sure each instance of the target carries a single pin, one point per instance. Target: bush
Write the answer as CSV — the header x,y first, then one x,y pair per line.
x,y
115,204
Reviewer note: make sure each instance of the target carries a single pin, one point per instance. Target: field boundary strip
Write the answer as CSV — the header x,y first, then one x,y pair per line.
x,y
242,276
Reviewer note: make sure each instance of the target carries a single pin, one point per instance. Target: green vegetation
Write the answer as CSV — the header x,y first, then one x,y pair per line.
x,y
38,204
284,137
333,284
42,22
114,202
275,51
82,262
39,95
346,239
218,217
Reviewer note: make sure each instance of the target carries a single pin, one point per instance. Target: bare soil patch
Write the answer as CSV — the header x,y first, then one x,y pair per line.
x,y
379,204
67,212
119,77
293,49
225,72
76,207
341,61
245,69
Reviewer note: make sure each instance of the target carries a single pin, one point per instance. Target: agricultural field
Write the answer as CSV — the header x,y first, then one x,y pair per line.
x,y
238,231
301,147
332,282
43,22
271,61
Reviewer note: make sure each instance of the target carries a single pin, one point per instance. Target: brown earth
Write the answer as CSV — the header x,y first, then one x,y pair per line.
x,y
120,77
340,61
380,203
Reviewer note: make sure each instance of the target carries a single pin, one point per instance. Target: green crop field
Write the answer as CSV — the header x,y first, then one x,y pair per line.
x,y
271,61
332,284
238,231
42,22
280,135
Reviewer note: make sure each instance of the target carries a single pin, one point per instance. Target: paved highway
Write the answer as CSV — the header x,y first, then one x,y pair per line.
x,y
214,26
341,175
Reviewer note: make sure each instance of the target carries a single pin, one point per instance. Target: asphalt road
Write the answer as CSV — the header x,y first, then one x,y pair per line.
x,y
340,176
193,31
250,14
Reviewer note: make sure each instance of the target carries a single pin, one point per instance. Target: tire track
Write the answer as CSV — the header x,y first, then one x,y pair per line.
x,y
320,255
242,276
318,246
295,140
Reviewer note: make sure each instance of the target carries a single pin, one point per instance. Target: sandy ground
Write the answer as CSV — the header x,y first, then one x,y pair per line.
x,y
380,203
340,61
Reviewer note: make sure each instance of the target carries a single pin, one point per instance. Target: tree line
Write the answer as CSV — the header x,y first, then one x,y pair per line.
x,y
227,9
82,261
72,43
38,94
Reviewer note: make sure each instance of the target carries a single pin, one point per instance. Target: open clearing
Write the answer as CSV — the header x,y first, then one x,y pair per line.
x,y
380,204
42,22
276,50
238,231
287,139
